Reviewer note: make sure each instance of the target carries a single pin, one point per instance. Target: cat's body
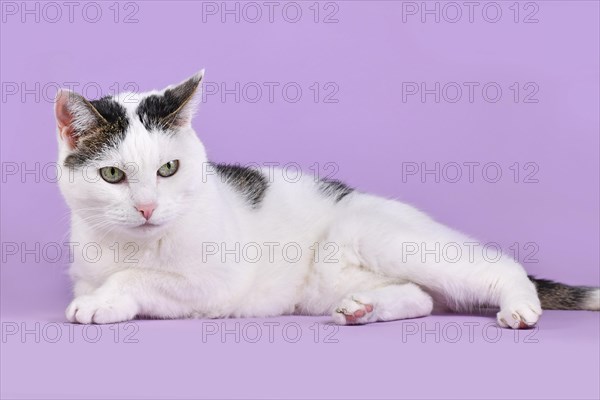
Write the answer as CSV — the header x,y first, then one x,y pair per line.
x,y
213,240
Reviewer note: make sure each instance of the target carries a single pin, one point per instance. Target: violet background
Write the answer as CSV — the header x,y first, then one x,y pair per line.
x,y
369,133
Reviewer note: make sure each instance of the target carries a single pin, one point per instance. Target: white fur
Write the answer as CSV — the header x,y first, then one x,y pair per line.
x,y
592,303
170,279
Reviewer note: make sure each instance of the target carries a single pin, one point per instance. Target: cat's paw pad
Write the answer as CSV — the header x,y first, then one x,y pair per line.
x,y
353,311
95,309
521,316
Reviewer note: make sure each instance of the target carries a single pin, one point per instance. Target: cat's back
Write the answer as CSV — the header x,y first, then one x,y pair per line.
x,y
287,193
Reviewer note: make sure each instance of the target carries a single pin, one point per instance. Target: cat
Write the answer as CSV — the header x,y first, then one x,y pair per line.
x,y
177,236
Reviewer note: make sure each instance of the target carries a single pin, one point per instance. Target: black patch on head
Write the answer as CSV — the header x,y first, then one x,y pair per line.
x,y
334,188
558,296
250,183
106,133
113,112
162,112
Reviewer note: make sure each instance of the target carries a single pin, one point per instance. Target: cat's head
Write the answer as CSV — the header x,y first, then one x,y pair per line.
x,y
133,160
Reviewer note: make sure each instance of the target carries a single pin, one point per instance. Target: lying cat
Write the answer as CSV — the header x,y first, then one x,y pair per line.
x,y
176,236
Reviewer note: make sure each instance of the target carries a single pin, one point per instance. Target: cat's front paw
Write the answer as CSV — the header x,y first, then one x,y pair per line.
x,y
98,309
520,316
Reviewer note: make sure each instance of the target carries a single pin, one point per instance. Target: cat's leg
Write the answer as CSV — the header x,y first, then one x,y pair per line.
x,y
132,292
397,241
465,284
386,303
82,287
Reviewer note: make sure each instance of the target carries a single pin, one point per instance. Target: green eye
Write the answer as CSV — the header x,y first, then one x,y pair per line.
x,y
112,174
168,169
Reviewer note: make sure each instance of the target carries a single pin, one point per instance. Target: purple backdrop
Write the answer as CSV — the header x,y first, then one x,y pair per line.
x,y
484,114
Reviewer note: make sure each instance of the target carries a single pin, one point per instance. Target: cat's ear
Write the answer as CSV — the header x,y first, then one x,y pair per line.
x,y
74,116
183,98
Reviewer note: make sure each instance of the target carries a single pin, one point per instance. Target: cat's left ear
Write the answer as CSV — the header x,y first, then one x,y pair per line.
x,y
184,100
75,117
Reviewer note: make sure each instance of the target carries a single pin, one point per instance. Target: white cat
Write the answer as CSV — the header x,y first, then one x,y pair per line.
x,y
175,236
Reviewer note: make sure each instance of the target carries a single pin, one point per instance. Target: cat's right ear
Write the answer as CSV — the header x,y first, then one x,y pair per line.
x,y
74,116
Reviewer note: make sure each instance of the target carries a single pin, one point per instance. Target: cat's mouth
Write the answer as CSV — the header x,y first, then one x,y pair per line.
x,y
147,226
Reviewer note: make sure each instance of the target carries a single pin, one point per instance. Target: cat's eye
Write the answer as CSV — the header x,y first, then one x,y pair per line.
x,y
168,169
112,174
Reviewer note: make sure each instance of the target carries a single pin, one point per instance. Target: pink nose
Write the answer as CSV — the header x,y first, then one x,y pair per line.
x,y
146,210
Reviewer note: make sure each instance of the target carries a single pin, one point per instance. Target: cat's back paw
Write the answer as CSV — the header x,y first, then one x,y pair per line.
x,y
353,311
520,316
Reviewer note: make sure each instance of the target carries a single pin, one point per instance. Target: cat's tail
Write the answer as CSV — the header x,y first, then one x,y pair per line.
x,y
558,296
